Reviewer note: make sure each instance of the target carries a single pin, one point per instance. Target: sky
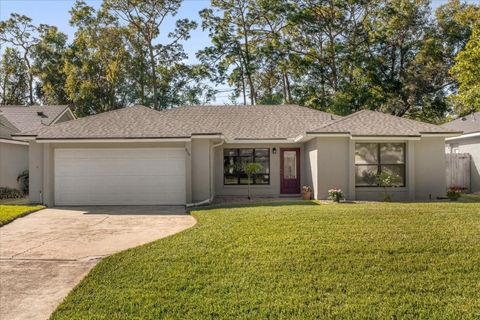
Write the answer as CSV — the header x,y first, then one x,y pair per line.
x,y
56,12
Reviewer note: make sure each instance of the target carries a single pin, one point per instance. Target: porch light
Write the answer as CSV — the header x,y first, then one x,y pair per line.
x,y
274,150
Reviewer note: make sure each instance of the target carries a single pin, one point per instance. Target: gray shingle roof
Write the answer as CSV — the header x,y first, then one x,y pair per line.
x,y
467,124
373,123
21,118
234,122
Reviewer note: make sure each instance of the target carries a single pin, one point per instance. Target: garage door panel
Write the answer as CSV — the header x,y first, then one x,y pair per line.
x,y
119,176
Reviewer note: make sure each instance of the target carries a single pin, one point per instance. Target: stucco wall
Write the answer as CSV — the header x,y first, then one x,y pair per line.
x,y
200,170
13,161
472,147
311,166
273,189
333,165
430,168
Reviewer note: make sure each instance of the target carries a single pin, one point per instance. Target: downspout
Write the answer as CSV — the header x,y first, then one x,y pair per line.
x,y
209,200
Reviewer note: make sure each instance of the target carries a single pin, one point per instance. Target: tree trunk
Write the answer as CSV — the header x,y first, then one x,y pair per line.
x,y
287,88
153,65
30,78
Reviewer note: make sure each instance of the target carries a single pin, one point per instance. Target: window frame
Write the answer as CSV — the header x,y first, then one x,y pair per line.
x,y
379,164
239,174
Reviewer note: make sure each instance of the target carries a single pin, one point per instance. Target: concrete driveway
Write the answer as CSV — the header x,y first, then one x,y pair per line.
x,y
45,254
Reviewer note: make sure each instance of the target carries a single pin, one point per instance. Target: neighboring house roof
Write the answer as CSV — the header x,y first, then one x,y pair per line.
x,y
234,122
262,122
467,124
21,118
373,123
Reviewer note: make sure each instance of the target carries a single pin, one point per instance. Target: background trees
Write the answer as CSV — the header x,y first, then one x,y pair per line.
x,y
395,56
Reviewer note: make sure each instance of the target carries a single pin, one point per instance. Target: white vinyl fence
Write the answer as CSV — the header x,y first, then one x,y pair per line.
x,y
458,170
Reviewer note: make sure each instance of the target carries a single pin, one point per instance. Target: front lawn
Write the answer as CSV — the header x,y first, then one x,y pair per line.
x,y
9,213
296,261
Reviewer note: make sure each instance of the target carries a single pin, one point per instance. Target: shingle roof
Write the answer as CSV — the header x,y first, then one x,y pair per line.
x,y
234,122
467,124
21,118
373,123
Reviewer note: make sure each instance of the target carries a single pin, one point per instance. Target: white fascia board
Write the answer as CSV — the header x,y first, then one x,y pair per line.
x,y
24,138
111,140
464,136
264,141
207,136
10,141
383,138
328,135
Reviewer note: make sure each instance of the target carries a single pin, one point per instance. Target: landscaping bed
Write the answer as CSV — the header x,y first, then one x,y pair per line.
x,y
8,213
296,260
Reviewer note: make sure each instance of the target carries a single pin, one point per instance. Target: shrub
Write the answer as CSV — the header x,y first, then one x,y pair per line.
x,y
10,193
335,195
454,193
23,180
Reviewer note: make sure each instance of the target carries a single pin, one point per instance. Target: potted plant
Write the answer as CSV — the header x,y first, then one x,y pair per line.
x,y
250,169
454,193
387,180
335,195
307,193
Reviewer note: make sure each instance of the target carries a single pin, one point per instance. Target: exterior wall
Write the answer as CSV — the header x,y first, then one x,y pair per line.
x,y
333,165
42,166
311,166
271,190
430,168
201,176
471,146
13,161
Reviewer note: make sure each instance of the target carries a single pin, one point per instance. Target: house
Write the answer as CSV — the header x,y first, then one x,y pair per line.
x,y
187,155
15,119
468,142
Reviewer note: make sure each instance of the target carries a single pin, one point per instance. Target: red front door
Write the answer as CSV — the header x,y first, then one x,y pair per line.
x,y
290,171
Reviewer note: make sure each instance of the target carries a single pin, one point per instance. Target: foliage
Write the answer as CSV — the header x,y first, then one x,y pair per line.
x,y
296,260
11,212
23,179
10,193
387,180
251,168
336,195
454,193
306,189
467,72
13,78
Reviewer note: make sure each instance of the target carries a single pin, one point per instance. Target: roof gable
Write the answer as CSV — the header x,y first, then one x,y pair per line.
x,y
467,124
374,123
22,118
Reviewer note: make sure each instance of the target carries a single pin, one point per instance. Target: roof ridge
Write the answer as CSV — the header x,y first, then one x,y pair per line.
x,y
341,119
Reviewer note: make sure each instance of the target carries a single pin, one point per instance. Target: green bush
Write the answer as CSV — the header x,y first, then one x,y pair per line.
x,y
10,193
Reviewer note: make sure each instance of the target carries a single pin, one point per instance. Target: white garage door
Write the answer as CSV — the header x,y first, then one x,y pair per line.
x,y
120,176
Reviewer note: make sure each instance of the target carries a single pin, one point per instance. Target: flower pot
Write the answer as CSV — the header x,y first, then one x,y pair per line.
x,y
307,196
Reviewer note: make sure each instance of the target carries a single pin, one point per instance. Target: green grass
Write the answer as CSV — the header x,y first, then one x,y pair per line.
x,y
296,261
471,197
11,212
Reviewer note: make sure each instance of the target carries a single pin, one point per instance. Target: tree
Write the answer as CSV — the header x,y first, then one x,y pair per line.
x,y
19,31
13,78
233,49
48,65
146,18
250,169
97,62
467,73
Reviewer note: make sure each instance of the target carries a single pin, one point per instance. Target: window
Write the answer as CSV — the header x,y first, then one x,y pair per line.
x,y
374,158
233,161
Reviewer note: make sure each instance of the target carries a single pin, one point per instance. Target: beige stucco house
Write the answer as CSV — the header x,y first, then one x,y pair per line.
x,y
138,156
16,119
468,142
